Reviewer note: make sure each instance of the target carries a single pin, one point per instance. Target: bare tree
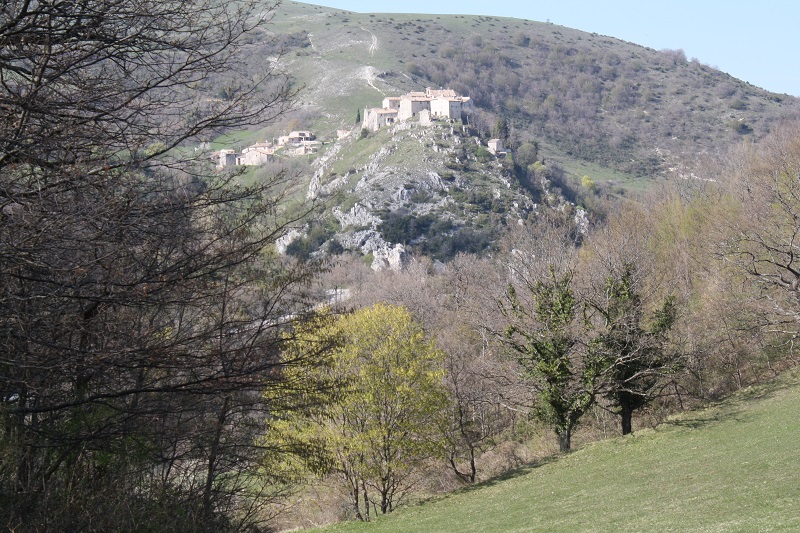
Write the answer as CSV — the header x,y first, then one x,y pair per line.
x,y
140,311
485,391
761,220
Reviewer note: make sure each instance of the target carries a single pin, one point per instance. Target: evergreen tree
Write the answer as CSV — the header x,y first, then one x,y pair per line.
x,y
547,336
634,352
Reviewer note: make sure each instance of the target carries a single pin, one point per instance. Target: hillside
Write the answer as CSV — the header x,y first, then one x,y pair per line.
x,y
432,189
730,467
573,105
585,98
206,324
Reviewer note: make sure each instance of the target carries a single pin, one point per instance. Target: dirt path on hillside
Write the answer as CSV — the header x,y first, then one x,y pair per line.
x,y
373,47
368,74
310,35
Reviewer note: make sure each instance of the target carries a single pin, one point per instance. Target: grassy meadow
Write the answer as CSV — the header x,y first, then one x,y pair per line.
x,y
733,466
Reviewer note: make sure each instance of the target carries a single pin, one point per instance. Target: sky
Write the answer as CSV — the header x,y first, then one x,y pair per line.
x,y
755,41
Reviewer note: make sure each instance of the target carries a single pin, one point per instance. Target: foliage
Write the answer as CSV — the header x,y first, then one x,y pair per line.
x,y
304,247
634,353
577,341
483,154
527,154
384,426
436,237
593,97
404,228
500,130
588,183
721,337
140,306
546,335
455,304
763,241
462,240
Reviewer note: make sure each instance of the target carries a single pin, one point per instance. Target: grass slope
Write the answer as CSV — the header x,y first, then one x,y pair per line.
x,y
731,467
630,110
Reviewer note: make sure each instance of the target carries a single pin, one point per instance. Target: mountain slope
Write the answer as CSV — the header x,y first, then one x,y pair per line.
x,y
585,96
574,104
731,467
432,188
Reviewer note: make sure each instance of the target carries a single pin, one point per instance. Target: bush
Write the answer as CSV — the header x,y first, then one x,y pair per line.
x,y
402,229
483,154
443,245
318,234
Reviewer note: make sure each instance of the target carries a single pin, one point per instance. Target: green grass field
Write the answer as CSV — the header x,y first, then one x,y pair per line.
x,y
734,466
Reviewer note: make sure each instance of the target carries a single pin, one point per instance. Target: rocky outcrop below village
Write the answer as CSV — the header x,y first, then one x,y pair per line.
x,y
437,171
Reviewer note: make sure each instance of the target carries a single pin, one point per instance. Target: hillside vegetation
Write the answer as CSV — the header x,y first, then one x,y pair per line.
x,y
586,118
432,189
192,347
585,96
730,467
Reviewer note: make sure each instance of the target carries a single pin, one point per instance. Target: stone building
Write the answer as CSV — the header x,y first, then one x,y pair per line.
x,y
495,146
450,108
411,104
441,93
391,102
294,144
256,154
376,118
425,117
226,158
440,103
296,138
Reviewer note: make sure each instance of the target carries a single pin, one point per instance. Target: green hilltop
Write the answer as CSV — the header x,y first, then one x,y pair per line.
x,y
630,110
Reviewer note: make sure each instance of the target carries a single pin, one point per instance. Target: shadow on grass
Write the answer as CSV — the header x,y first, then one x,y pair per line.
x,y
732,408
505,476
511,474
702,421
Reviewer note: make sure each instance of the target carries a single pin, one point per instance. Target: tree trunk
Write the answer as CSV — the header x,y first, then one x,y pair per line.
x,y
366,501
356,500
626,413
468,477
211,469
472,469
385,502
565,440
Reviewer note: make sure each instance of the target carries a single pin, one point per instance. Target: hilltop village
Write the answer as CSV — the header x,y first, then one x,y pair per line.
x,y
429,105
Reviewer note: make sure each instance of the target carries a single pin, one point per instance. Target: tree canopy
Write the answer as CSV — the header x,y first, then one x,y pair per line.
x,y
140,305
385,424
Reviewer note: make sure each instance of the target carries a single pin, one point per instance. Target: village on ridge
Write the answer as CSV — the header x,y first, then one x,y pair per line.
x,y
427,106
